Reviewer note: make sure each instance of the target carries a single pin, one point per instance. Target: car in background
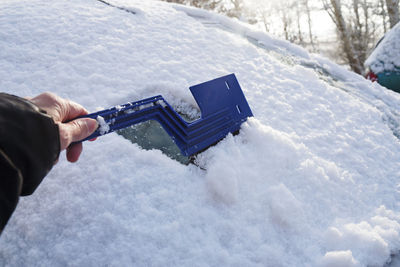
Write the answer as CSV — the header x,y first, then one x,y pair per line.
x,y
384,62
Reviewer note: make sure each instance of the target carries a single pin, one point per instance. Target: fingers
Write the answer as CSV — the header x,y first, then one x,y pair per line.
x,y
76,130
73,152
63,112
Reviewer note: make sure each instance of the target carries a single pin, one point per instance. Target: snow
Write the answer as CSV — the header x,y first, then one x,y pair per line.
x,y
339,258
386,56
311,180
144,106
103,125
161,103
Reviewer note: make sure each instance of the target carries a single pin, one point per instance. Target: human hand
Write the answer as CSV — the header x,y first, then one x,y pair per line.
x,y
63,111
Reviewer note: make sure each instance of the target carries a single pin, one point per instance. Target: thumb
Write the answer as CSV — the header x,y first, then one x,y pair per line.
x,y
76,130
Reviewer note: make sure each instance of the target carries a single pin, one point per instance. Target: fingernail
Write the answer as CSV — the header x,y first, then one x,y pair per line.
x,y
91,125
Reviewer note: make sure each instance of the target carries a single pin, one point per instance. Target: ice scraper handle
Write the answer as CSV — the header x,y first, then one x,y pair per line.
x,y
123,116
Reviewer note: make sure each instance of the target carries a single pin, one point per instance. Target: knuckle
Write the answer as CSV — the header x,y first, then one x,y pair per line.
x,y
49,96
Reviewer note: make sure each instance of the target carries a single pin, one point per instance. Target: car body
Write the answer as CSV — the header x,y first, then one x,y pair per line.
x,y
384,62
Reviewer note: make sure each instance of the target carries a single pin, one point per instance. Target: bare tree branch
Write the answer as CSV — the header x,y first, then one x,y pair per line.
x,y
393,11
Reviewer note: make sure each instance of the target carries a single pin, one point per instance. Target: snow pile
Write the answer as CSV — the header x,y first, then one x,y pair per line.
x,y
311,180
386,56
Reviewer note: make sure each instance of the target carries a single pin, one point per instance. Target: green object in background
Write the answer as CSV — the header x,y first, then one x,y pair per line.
x,y
390,79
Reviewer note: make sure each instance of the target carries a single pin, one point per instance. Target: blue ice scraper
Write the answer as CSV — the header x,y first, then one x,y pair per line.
x,y
223,109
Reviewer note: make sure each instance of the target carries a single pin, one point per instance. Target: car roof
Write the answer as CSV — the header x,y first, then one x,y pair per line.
x,y
386,55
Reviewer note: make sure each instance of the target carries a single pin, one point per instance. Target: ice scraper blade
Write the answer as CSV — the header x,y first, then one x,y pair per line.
x,y
223,109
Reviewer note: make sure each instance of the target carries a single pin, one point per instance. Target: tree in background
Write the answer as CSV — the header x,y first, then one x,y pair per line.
x,y
381,11
359,23
307,10
334,9
284,19
358,27
393,11
233,8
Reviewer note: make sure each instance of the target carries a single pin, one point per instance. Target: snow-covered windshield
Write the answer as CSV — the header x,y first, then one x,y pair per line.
x,y
311,180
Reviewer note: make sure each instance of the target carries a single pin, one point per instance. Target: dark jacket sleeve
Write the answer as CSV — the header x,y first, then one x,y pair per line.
x,y
29,146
